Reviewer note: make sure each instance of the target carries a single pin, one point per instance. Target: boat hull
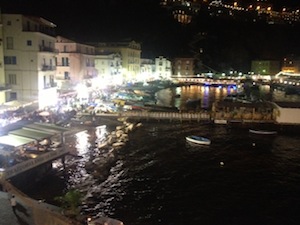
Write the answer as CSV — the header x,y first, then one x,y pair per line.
x,y
265,132
198,140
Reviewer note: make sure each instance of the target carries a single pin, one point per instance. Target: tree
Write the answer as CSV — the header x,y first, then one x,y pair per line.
x,y
71,202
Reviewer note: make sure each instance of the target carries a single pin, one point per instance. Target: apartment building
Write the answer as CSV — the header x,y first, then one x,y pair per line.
x,y
265,67
163,68
109,67
3,87
183,67
291,64
147,70
29,59
75,64
130,53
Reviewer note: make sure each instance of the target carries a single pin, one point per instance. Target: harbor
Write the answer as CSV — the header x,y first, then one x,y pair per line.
x,y
107,147
151,167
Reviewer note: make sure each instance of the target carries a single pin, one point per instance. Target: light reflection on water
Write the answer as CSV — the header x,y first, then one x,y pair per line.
x,y
207,95
83,146
82,142
177,97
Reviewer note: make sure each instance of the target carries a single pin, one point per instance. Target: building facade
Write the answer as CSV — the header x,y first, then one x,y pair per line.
x,y
163,68
265,67
29,59
130,53
291,64
75,64
109,67
183,67
3,86
147,70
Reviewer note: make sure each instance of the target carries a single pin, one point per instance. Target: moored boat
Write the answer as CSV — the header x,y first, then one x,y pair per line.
x,y
104,220
262,132
220,121
198,140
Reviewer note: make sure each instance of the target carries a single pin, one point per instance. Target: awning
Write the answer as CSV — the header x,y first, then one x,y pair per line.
x,y
13,105
47,128
33,134
15,141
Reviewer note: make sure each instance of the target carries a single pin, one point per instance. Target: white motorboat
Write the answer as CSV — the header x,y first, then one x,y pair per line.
x,y
262,132
198,140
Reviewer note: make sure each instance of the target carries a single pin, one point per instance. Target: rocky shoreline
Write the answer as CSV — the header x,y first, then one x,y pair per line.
x,y
108,149
104,158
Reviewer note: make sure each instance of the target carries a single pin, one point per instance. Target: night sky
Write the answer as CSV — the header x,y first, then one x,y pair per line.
x,y
226,43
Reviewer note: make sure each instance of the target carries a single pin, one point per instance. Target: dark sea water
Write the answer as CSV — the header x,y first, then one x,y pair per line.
x,y
159,178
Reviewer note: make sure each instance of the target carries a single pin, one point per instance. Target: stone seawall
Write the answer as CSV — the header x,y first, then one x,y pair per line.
x,y
40,213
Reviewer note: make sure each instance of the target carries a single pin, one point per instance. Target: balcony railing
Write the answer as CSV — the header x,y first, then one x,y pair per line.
x,y
50,85
5,87
63,65
47,49
48,67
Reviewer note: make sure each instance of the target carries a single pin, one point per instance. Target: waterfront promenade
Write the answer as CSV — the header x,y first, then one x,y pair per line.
x,y
253,117
7,217
29,211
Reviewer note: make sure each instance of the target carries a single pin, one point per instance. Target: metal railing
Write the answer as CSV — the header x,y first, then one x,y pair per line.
x,y
32,163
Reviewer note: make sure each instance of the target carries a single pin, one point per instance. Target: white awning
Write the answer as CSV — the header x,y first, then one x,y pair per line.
x,y
15,141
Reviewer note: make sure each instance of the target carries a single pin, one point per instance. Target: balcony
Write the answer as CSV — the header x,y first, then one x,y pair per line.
x,y
50,85
48,68
5,87
63,65
47,49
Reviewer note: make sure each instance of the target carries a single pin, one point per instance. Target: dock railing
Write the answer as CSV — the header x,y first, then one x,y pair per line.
x,y
204,116
32,163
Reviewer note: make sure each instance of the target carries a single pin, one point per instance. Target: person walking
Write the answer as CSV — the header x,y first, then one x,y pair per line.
x,y
13,203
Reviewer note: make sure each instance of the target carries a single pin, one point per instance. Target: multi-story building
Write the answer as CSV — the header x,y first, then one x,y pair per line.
x,y
265,67
147,70
183,67
3,87
130,53
291,64
29,59
75,64
163,68
109,67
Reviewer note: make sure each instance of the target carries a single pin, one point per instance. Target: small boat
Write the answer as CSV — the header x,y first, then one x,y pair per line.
x,y
198,140
104,220
220,121
262,132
